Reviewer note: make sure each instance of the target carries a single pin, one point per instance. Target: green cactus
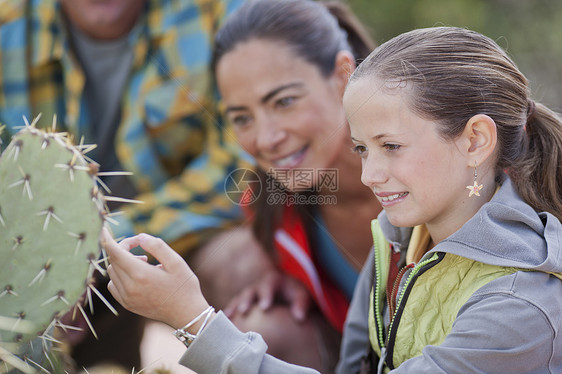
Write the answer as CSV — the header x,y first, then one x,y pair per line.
x,y
51,216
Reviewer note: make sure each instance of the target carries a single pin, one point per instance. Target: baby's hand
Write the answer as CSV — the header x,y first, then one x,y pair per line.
x,y
273,285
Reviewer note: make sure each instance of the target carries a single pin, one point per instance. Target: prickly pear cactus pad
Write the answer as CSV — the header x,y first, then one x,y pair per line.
x,y
51,216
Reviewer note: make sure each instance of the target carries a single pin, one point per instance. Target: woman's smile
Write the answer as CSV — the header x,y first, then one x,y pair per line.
x,y
292,160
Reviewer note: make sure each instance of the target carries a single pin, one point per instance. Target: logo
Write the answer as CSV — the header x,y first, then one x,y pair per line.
x,y
242,186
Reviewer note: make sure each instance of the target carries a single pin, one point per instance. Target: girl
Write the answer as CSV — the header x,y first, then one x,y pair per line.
x,y
467,168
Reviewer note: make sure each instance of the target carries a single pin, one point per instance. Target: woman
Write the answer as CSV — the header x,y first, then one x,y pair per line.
x,y
281,68
467,168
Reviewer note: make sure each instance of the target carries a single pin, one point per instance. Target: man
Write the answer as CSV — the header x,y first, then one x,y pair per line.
x,y
133,77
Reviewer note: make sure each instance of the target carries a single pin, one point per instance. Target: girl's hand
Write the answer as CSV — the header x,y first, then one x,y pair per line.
x,y
168,292
273,286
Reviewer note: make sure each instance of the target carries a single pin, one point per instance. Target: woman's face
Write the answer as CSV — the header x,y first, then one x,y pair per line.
x,y
416,175
284,112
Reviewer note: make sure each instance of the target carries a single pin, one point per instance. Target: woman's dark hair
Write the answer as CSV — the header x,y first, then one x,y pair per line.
x,y
457,73
315,31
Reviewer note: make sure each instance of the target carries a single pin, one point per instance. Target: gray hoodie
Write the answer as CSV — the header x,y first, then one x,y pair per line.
x,y
511,325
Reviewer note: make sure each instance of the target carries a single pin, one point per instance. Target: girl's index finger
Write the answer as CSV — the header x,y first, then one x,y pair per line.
x,y
150,244
117,254
159,250
130,243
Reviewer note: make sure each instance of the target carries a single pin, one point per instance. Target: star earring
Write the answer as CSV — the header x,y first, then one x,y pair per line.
x,y
475,188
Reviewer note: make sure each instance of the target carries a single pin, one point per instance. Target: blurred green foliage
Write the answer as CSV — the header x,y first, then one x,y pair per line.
x,y
529,30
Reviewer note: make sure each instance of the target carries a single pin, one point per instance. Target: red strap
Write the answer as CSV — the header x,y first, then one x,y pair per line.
x,y
296,259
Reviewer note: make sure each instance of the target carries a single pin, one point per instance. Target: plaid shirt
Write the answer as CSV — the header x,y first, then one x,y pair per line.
x,y
170,135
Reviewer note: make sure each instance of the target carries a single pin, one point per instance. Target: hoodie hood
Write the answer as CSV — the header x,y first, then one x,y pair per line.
x,y
506,231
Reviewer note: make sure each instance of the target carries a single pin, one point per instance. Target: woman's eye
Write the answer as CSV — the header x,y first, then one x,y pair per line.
x,y
359,149
391,147
240,120
285,101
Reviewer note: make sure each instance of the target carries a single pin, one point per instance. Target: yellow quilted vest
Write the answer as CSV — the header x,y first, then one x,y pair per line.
x,y
427,304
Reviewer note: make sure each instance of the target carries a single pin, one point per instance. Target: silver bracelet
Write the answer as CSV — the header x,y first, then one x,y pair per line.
x,y
186,337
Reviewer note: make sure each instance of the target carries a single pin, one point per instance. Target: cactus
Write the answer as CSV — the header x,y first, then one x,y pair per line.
x,y
51,216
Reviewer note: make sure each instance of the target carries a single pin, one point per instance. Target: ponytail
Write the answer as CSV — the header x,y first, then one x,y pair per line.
x,y
358,38
537,175
316,31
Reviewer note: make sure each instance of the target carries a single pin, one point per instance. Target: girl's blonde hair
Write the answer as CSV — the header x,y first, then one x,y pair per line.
x,y
457,73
